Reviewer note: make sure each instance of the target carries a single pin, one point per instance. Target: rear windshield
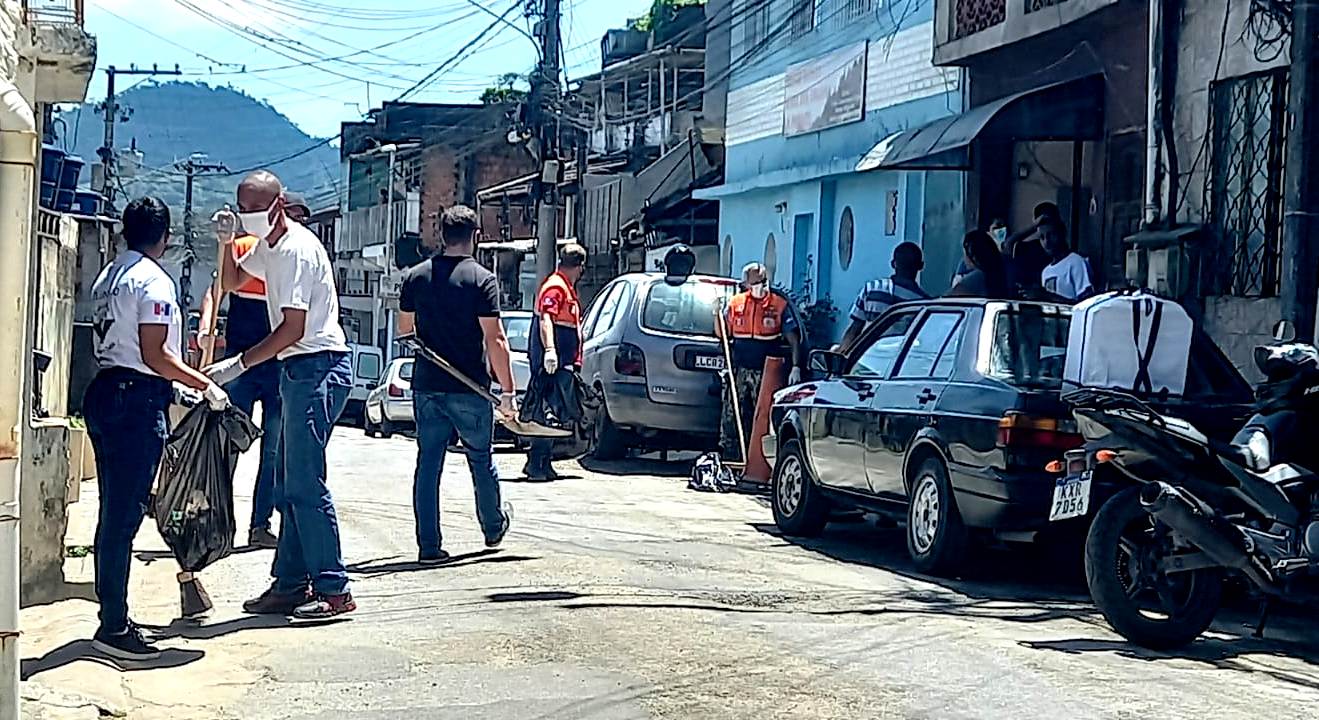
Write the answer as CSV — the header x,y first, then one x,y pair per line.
x,y
518,330
1029,346
686,309
405,370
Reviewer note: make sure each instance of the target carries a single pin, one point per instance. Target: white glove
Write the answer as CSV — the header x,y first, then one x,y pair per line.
x,y
226,371
794,376
186,396
551,362
508,405
216,397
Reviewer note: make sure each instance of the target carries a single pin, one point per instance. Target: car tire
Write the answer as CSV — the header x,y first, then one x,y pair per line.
x,y
937,539
386,427
1109,576
800,508
609,442
368,428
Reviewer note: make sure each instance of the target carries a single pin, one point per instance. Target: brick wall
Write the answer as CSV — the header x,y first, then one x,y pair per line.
x,y
450,178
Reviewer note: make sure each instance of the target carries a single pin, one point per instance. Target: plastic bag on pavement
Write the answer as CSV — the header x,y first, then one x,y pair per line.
x,y
710,474
194,506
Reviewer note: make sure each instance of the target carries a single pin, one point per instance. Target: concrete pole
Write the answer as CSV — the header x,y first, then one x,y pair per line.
x,y
547,187
389,252
18,164
1300,259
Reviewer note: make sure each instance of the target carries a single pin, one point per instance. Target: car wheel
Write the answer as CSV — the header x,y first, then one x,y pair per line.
x,y
936,536
609,442
368,427
386,427
800,507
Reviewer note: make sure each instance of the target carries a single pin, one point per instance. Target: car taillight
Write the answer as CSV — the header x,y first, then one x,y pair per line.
x,y
1022,430
630,361
395,391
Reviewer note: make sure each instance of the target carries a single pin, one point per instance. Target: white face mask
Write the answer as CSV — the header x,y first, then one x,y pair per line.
x,y
999,234
257,223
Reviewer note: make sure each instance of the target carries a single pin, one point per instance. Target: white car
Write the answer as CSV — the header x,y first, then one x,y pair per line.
x,y
517,326
389,404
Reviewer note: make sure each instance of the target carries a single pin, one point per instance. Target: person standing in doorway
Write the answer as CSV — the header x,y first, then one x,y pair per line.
x,y
987,278
556,341
310,580
758,325
138,330
878,295
1023,251
1068,274
451,302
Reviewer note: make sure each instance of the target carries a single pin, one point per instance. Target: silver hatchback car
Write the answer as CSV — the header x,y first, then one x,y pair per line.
x,y
650,350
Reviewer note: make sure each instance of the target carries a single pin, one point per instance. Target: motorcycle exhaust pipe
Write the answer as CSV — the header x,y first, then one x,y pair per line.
x,y
1173,508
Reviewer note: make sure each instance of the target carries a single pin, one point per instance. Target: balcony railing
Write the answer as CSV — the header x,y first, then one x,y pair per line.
x,y
55,12
976,15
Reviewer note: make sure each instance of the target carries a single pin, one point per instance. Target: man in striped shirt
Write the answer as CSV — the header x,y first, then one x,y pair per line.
x,y
877,295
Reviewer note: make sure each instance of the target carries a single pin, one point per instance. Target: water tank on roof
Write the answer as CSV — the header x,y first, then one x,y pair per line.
x,y
622,44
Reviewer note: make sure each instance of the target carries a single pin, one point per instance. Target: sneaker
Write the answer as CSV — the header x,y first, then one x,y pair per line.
x,y
437,557
127,645
262,538
507,512
325,606
274,602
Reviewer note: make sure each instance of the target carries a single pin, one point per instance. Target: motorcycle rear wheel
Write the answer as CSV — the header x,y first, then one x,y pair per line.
x,y
1152,609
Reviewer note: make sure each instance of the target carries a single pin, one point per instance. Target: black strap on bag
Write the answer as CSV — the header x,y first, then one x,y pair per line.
x,y
1143,382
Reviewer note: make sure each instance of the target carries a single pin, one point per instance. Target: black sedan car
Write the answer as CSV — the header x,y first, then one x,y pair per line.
x,y
945,413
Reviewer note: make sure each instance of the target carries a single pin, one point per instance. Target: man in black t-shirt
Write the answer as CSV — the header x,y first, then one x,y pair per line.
x,y
452,302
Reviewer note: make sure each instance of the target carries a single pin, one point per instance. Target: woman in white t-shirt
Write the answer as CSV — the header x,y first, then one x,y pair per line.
x,y
138,327
1067,274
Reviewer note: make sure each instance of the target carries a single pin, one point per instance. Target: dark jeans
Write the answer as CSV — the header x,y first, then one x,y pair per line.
x,y
438,416
261,384
125,412
539,456
314,390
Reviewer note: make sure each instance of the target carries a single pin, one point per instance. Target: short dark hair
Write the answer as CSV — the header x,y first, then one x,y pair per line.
x,y
572,255
1047,209
908,254
458,225
146,220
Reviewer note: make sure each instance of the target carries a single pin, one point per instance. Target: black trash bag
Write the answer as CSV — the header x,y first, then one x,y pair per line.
x,y
553,400
195,499
582,439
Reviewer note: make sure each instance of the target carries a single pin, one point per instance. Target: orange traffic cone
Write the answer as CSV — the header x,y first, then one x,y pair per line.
x,y
757,469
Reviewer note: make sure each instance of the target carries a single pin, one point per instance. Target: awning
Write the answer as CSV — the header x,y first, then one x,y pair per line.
x,y
1068,110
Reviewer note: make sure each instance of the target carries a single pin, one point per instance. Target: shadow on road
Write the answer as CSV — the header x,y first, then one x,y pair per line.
x,y
150,556
201,630
639,466
76,650
378,568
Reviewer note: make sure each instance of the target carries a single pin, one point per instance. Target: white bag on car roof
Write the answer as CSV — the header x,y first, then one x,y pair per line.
x,y
1131,341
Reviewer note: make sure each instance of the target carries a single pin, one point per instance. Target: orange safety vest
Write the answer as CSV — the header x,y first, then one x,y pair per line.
x,y
750,318
569,312
253,289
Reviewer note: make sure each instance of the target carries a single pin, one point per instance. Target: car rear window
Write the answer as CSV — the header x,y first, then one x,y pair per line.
x,y
1028,346
686,309
405,371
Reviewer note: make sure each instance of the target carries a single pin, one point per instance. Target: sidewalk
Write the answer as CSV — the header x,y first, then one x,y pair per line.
x,y
202,670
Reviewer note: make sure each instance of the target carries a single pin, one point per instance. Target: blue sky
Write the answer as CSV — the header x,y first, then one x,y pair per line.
x,y
379,48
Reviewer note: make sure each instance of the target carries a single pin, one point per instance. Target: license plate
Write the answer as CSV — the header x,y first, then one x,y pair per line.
x,y
1071,497
709,362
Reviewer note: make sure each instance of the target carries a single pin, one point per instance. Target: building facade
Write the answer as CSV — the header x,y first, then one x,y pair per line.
x,y
814,86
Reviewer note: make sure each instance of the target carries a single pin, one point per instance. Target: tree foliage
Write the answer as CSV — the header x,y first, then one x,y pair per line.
x,y
661,13
506,90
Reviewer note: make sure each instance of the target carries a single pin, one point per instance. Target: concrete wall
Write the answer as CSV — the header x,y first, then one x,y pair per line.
x,y
57,258
42,497
1238,325
9,14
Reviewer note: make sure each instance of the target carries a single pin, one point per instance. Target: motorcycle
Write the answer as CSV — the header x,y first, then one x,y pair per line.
x,y
1189,511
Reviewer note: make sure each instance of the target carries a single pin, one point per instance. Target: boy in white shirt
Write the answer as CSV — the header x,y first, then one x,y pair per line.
x,y
1068,274
315,377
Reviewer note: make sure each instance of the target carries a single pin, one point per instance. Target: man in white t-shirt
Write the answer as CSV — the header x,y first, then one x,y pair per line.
x,y
1067,274
315,377
138,327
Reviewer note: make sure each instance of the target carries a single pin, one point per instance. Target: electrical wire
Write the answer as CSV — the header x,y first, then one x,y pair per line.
x,y
430,77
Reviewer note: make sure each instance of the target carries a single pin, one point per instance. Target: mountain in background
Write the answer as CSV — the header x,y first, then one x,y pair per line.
x,y
170,122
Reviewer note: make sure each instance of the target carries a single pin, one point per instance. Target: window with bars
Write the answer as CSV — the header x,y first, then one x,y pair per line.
x,y
1248,132
1037,5
841,13
755,24
803,18
972,16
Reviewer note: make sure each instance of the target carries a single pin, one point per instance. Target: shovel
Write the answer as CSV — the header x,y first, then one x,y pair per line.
x,y
514,424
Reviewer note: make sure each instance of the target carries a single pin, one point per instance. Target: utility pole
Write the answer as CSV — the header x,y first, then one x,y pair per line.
x,y
545,92
110,110
192,167
1300,202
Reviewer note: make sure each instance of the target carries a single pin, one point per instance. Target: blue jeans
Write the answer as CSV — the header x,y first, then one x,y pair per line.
x,y
438,415
261,383
539,456
314,391
125,412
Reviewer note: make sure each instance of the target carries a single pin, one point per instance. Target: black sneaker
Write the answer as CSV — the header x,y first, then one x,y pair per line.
x,y
262,538
274,602
439,557
325,606
507,512
127,645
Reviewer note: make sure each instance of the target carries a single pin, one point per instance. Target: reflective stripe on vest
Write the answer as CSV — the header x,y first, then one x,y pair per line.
x,y
756,319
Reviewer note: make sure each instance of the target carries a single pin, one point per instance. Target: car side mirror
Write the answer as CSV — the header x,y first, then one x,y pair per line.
x,y
827,362
1284,331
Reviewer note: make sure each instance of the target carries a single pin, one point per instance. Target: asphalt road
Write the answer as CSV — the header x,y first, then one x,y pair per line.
x,y
621,594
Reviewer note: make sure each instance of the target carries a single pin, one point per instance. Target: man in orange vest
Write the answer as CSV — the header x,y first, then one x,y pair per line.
x,y
556,341
759,325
